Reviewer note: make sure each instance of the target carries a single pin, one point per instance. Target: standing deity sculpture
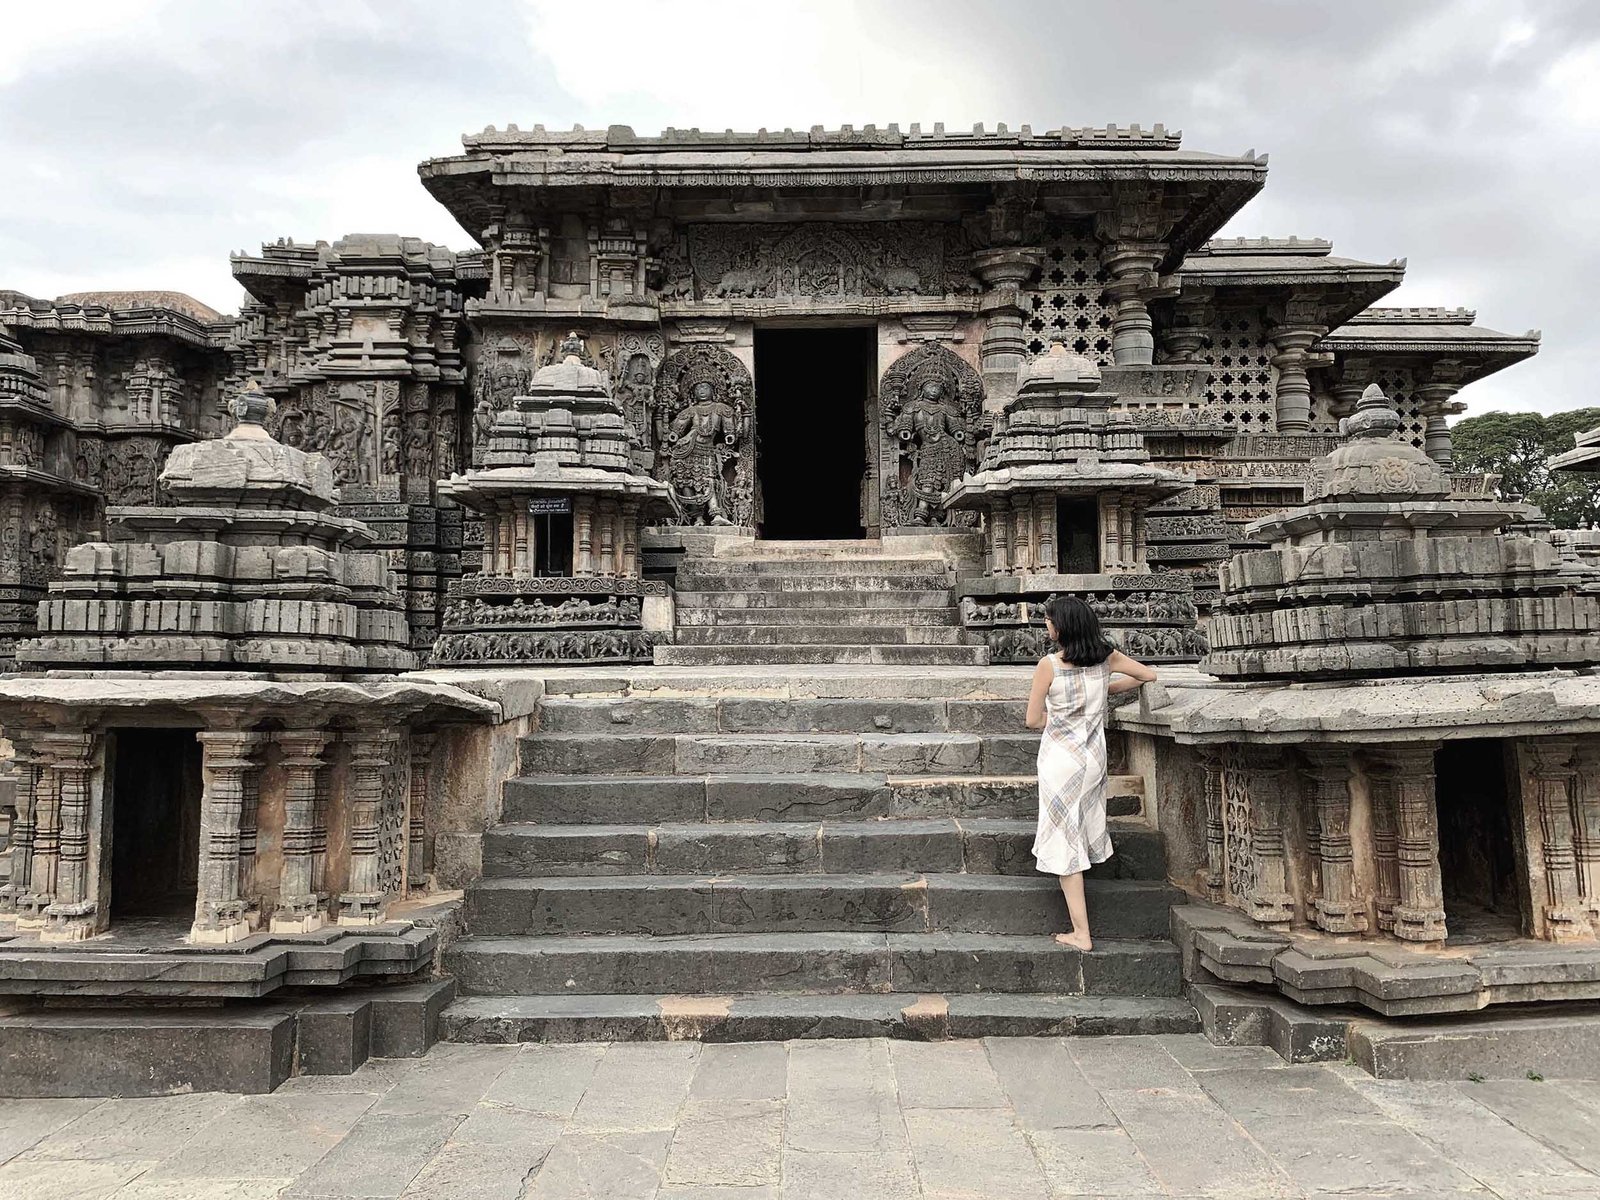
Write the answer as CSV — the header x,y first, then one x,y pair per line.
x,y
700,441
933,438
702,421
932,401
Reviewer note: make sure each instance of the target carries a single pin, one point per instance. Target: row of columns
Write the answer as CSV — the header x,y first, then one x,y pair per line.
x,y
1406,896
1024,535
50,888
605,538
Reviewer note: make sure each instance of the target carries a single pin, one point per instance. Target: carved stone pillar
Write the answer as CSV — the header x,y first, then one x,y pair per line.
x,y
1005,271
369,794
1436,401
1110,530
299,905
1550,778
1337,908
417,831
44,863
606,519
1212,877
1586,827
227,755
25,767
1404,774
583,535
1022,544
1000,539
1291,349
1044,507
1131,266
71,915
1269,901
1346,395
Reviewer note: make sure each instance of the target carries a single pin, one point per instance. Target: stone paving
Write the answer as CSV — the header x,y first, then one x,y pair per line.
x,y
1022,1119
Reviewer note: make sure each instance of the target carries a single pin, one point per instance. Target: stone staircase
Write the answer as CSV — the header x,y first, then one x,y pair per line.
x,y
738,865
818,602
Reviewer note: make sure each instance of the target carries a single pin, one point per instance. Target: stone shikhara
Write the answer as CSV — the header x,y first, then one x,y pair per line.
x,y
697,781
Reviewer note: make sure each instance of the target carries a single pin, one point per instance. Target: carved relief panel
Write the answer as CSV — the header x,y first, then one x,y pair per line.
x,y
931,401
703,399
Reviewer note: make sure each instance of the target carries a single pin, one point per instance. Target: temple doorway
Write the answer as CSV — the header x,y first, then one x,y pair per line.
x,y
1477,848
155,817
812,388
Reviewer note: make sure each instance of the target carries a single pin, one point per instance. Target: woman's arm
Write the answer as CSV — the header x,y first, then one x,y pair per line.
x,y
1130,673
1042,675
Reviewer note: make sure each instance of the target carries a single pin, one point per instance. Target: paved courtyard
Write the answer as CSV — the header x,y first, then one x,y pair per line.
x,y
874,1120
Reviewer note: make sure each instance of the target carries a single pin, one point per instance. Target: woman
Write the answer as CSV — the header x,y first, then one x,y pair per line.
x,y
1068,702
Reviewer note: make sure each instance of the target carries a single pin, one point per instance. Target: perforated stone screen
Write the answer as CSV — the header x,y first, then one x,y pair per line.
x,y
1070,295
1399,384
1244,382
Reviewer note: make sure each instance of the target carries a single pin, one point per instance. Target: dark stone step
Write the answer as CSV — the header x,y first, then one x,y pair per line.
x,y
903,902
623,800
154,1050
722,616
749,1018
975,845
756,714
770,656
937,599
833,962
779,753
817,634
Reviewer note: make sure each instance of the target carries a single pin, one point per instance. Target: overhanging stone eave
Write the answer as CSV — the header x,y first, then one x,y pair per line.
x,y
71,699
1343,292
1400,708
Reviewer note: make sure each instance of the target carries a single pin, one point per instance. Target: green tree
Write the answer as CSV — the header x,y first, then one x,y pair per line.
x,y
1518,447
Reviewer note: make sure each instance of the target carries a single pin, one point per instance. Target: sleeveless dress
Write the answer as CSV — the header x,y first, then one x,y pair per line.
x,y
1072,771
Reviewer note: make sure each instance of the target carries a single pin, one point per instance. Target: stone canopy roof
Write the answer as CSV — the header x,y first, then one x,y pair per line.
x,y
119,314
1335,289
1436,333
943,173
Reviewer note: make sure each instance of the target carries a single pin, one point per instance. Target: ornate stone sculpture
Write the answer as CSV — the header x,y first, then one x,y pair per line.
x,y
706,436
932,400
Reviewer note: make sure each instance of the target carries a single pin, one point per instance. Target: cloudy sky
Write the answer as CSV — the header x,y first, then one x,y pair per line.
x,y
144,141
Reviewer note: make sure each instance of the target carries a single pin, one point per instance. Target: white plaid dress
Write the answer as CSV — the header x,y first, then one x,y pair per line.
x,y
1072,771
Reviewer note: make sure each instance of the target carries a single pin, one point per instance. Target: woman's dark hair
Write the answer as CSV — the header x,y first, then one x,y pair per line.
x,y
1078,632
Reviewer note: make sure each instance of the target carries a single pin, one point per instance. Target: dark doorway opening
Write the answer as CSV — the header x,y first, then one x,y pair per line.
x,y
1078,536
811,409
1477,850
155,816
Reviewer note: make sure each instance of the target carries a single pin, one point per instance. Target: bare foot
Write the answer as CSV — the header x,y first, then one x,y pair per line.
x,y
1078,941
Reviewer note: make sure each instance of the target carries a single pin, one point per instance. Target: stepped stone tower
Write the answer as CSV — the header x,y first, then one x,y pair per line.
x,y
246,569
561,509
1064,486
1384,570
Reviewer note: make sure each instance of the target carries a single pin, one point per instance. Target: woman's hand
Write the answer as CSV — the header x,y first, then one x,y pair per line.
x,y
1130,674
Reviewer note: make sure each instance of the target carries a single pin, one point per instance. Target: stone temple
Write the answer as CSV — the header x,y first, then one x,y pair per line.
x,y
620,628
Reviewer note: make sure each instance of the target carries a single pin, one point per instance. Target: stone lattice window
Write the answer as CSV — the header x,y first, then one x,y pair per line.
x,y
1070,295
1322,418
1244,383
1399,384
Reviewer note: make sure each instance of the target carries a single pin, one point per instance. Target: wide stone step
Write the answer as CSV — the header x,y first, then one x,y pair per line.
x,y
623,800
976,846
866,563
748,753
754,1018
722,617
818,635
896,599
838,962
760,714
850,656
902,902
770,1018
858,579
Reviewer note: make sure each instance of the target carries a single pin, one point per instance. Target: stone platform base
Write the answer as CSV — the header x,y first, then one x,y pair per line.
x,y
49,1051
1382,975
1553,1041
